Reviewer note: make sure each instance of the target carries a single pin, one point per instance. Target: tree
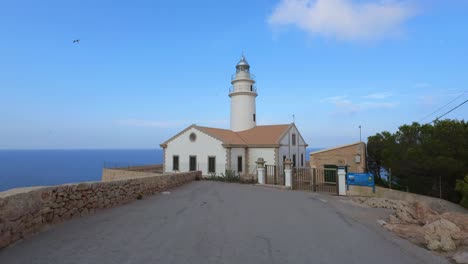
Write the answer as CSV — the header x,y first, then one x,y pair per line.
x,y
426,159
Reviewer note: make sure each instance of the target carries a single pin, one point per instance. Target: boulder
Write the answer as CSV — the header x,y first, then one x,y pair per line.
x,y
413,233
424,214
439,235
461,220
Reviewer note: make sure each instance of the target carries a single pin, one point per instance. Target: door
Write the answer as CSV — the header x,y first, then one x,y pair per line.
x,y
193,163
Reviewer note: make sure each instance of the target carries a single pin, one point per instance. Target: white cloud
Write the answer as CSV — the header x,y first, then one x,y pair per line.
x,y
149,123
344,19
168,124
378,95
344,105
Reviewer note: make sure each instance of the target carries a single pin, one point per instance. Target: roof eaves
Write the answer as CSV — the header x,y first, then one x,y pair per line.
x,y
335,148
164,144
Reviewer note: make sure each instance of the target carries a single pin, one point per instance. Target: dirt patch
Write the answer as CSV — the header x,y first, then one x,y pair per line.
x,y
432,228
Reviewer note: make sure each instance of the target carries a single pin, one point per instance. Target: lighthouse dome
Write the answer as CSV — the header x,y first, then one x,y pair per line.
x,y
242,65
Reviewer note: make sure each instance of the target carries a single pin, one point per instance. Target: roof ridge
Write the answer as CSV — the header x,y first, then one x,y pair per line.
x,y
237,133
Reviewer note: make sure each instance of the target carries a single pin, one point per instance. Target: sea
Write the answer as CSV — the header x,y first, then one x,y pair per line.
x,y
25,168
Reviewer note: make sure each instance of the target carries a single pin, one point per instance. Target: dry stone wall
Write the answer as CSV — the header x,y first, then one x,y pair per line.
x,y
26,211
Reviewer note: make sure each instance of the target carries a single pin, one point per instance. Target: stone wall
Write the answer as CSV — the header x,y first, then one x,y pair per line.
x,y
121,174
26,211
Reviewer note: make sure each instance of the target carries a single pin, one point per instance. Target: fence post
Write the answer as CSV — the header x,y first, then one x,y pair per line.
x,y
261,170
287,173
341,181
314,179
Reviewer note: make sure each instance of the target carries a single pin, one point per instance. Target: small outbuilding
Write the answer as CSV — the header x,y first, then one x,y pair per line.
x,y
353,156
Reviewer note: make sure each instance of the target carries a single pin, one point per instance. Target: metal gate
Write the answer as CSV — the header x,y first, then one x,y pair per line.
x,y
274,175
316,179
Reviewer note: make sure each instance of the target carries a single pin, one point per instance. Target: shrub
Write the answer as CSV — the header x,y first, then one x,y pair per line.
x,y
231,176
462,188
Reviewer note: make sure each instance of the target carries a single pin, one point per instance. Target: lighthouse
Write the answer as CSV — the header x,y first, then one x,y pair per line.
x,y
243,93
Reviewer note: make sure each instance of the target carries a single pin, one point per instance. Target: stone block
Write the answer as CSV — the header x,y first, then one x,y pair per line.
x,y
82,187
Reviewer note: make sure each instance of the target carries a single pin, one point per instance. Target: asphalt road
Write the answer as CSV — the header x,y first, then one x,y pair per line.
x,y
209,222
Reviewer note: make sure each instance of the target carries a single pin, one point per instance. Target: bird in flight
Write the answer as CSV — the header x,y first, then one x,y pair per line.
x,y
76,41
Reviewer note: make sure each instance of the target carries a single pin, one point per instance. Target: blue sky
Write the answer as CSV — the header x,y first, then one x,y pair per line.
x,y
144,70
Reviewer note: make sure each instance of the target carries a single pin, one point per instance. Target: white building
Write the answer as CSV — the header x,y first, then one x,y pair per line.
x,y
215,150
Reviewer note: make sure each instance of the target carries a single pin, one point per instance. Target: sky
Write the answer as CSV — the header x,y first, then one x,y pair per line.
x,y
144,70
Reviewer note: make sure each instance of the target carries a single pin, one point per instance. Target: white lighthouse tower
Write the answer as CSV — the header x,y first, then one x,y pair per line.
x,y
243,94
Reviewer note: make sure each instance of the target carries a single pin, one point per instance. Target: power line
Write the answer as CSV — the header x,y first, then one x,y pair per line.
x,y
449,111
443,107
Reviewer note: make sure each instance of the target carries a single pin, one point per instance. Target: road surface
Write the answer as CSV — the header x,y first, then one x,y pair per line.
x,y
211,222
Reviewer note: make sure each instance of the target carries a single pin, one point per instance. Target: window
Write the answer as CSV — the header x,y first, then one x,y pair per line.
x,y
294,160
284,159
193,163
211,164
251,88
254,117
175,163
239,163
302,159
193,137
293,139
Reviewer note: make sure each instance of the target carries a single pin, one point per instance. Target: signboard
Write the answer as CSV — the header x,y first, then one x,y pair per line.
x,y
360,179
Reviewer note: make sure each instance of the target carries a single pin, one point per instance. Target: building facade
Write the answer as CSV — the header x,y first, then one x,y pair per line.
x,y
353,156
215,151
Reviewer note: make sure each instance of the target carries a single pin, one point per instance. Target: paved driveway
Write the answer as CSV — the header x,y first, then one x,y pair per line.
x,y
209,222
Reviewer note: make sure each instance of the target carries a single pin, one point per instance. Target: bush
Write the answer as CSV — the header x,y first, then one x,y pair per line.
x,y
462,188
229,176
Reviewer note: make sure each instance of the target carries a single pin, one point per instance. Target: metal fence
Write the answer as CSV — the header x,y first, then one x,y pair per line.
x,y
274,175
315,179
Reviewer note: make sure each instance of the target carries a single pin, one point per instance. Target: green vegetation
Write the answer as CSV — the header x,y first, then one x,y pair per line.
x,y
462,188
425,159
229,176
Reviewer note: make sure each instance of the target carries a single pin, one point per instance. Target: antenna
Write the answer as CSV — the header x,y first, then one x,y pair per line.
x,y
294,119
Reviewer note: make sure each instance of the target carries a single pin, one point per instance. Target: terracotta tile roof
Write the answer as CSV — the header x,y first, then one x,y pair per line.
x,y
259,135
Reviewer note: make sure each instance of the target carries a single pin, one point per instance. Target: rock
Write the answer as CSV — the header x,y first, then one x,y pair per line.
x,y
461,257
84,212
80,204
56,219
438,235
424,214
394,220
381,222
461,220
5,239
45,196
82,187
413,233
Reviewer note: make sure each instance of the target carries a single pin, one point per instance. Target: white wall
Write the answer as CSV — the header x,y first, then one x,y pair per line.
x,y
242,111
202,147
235,152
288,150
268,154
